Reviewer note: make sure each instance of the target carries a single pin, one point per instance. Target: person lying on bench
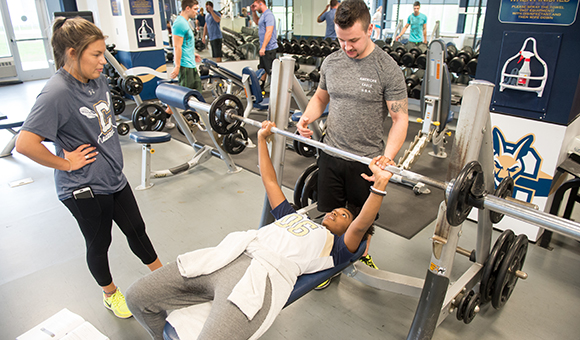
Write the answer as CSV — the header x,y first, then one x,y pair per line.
x,y
250,274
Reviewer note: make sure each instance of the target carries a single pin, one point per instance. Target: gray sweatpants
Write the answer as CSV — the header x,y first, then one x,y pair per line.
x,y
150,297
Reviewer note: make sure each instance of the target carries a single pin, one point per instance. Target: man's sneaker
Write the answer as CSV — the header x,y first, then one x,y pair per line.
x,y
116,303
327,282
368,260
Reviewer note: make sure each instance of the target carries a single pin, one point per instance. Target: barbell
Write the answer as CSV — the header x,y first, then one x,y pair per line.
x,y
463,193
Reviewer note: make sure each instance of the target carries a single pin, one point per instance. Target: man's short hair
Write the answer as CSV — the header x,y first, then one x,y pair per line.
x,y
209,3
263,1
351,11
416,3
188,3
333,3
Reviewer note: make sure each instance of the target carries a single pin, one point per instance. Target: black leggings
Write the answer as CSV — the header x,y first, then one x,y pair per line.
x,y
95,217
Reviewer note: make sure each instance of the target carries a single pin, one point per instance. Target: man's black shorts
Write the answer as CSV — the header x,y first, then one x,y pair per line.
x,y
216,48
267,60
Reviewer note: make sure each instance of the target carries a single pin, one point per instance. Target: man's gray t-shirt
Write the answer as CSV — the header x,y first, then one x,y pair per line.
x,y
71,113
358,90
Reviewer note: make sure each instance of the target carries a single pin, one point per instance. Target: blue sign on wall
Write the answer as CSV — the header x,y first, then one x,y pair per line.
x,y
142,7
543,12
116,8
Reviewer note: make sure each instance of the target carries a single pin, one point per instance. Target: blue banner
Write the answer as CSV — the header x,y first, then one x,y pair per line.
x,y
543,12
116,8
141,7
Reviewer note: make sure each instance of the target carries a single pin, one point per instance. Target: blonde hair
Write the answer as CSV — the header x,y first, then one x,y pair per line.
x,y
76,33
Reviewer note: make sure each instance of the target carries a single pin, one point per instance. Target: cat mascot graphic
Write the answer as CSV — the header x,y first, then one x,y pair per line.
x,y
523,163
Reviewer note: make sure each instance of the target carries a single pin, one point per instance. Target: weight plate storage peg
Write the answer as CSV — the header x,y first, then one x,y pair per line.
x,y
123,129
132,85
217,112
118,104
493,263
235,142
299,186
461,307
149,117
504,189
191,118
472,308
310,190
507,276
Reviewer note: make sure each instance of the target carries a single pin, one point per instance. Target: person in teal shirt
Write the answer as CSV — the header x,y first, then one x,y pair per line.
x,y
418,23
184,47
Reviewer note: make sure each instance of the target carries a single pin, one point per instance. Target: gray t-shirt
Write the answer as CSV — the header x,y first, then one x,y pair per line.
x,y
71,113
359,89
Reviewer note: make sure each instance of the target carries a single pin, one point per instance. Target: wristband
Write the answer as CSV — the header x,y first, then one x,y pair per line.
x,y
377,191
70,165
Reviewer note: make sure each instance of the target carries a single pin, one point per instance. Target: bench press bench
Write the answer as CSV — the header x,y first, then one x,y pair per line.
x,y
304,284
10,125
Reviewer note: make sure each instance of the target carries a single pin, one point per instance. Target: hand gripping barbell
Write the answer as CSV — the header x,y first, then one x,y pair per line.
x,y
462,193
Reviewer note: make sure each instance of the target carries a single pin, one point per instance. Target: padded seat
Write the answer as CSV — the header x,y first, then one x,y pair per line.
x,y
146,138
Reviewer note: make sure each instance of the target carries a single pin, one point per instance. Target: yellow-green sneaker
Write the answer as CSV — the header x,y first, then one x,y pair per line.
x,y
116,303
326,283
368,260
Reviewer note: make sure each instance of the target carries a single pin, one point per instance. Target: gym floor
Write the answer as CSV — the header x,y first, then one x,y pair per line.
x,y
43,269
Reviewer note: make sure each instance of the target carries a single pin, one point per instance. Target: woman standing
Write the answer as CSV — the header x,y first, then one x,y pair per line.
x,y
74,111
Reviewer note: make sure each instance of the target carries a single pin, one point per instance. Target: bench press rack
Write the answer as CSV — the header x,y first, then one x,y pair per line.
x,y
438,296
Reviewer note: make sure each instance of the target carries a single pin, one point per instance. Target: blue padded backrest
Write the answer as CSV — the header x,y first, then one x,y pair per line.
x,y
254,84
308,282
213,65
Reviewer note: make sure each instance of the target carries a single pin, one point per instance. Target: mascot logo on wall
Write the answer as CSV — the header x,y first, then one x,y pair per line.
x,y
523,163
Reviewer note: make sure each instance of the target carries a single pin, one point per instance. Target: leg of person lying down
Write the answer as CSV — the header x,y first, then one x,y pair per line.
x,y
152,296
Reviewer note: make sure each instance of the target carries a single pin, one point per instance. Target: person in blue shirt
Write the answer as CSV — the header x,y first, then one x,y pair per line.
x,y
249,276
267,32
418,23
213,30
328,16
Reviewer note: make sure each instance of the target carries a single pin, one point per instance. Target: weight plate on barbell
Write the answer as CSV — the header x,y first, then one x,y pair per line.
x,y
506,276
149,117
235,142
468,184
299,186
503,190
493,263
217,113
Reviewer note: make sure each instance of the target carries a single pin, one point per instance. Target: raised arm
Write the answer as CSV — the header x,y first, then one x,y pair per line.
x,y
366,217
326,9
267,172
398,110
